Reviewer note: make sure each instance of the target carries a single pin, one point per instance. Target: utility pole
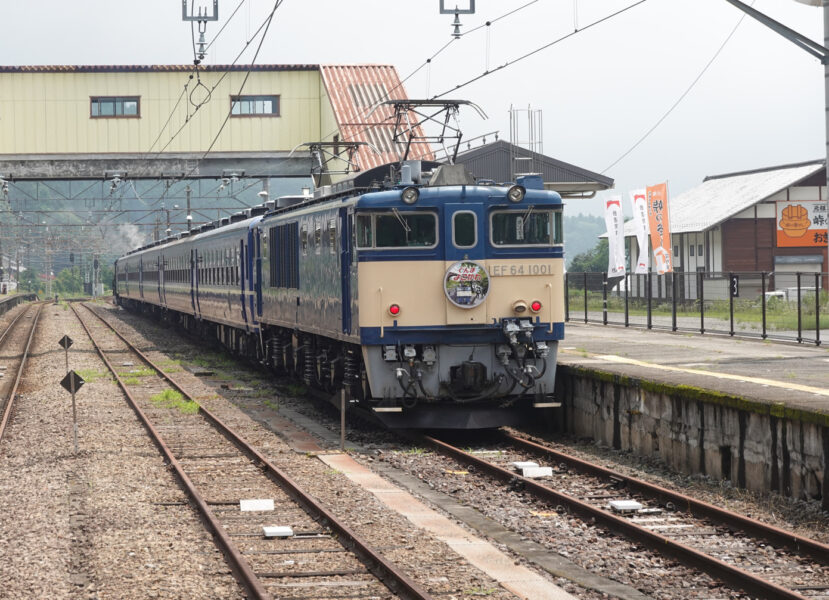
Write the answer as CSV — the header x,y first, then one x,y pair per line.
x,y
816,50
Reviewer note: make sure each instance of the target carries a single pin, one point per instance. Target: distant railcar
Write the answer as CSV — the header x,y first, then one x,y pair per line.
x,y
437,302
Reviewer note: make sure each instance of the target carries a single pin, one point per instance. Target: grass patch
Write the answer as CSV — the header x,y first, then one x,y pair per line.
x,y
296,389
93,375
271,404
131,381
139,372
213,361
417,451
222,376
174,399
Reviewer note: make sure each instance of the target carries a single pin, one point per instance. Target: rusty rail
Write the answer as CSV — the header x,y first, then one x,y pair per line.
x,y
7,409
385,571
683,553
797,543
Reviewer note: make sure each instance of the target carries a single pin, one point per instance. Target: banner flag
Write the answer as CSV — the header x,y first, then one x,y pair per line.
x,y
639,202
660,226
615,237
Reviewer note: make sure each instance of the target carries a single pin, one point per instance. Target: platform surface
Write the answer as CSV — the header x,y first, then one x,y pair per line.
x,y
769,372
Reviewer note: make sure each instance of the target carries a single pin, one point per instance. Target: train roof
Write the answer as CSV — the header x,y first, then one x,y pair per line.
x,y
377,187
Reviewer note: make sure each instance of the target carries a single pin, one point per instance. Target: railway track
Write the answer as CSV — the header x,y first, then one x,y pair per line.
x,y
759,559
15,342
320,557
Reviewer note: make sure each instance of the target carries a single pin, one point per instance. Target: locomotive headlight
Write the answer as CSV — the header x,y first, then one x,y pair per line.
x,y
516,193
535,306
519,307
410,195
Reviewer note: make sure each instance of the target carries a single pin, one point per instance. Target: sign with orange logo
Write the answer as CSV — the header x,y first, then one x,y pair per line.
x,y
660,226
801,224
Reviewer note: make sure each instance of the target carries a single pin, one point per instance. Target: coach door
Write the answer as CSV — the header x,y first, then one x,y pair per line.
x,y
244,275
257,274
160,280
194,282
347,266
141,277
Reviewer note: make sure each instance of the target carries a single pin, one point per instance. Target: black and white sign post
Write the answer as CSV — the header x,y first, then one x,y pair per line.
x,y
71,383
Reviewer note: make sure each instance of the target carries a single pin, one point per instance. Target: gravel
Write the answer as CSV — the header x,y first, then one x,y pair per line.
x,y
428,561
109,522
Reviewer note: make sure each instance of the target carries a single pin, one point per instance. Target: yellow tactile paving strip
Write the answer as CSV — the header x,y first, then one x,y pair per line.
x,y
517,579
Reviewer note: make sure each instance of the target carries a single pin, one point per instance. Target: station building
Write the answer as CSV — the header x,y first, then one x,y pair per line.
x,y
146,120
760,221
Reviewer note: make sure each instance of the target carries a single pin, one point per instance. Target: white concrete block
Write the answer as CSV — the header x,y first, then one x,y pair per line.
x,y
523,464
534,472
278,531
256,504
625,505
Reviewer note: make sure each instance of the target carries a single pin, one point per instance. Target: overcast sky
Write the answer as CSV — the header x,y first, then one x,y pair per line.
x,y
761,103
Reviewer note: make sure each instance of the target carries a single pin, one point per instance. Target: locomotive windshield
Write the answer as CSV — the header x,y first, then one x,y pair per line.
x,y
397,230
526,228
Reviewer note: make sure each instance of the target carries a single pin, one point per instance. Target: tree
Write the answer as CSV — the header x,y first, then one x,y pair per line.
x,y
69,281
592,261
28,280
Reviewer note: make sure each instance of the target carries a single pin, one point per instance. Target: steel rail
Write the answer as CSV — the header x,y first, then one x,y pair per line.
x,y
388,573
687,555
800,544
7,409
240,567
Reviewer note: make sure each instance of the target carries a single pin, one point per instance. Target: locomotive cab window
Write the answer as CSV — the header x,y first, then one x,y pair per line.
x,y
397,229
464,229
529,227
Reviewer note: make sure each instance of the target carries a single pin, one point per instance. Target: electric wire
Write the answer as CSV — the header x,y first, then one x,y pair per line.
x,y
269,20
428,63
229,19
681,97
198,106
539,49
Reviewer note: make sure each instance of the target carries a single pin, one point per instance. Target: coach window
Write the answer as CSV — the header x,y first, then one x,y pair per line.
x,y
303,239
558,228
318,237
332,236
464,229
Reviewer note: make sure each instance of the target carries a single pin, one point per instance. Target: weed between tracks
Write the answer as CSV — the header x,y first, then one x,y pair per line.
x,y
174,399
139,372
92,375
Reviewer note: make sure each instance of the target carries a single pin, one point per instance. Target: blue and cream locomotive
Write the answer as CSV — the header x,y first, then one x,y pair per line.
x,y
436,301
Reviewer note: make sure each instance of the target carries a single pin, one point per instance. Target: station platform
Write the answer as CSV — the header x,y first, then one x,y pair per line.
x,y
774,373
752,412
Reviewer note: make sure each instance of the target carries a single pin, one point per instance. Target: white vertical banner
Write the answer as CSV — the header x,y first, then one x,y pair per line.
x,y
639,202
615,236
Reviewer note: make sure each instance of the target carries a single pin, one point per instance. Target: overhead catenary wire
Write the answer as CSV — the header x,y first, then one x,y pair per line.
x,y
539,49
210,90
428,64
229,19
681,97
268,22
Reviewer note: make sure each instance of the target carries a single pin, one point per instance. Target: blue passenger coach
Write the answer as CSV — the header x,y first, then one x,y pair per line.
x,y
437,301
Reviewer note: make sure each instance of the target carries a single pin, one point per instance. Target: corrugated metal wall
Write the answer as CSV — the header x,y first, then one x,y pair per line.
x,y
46,112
